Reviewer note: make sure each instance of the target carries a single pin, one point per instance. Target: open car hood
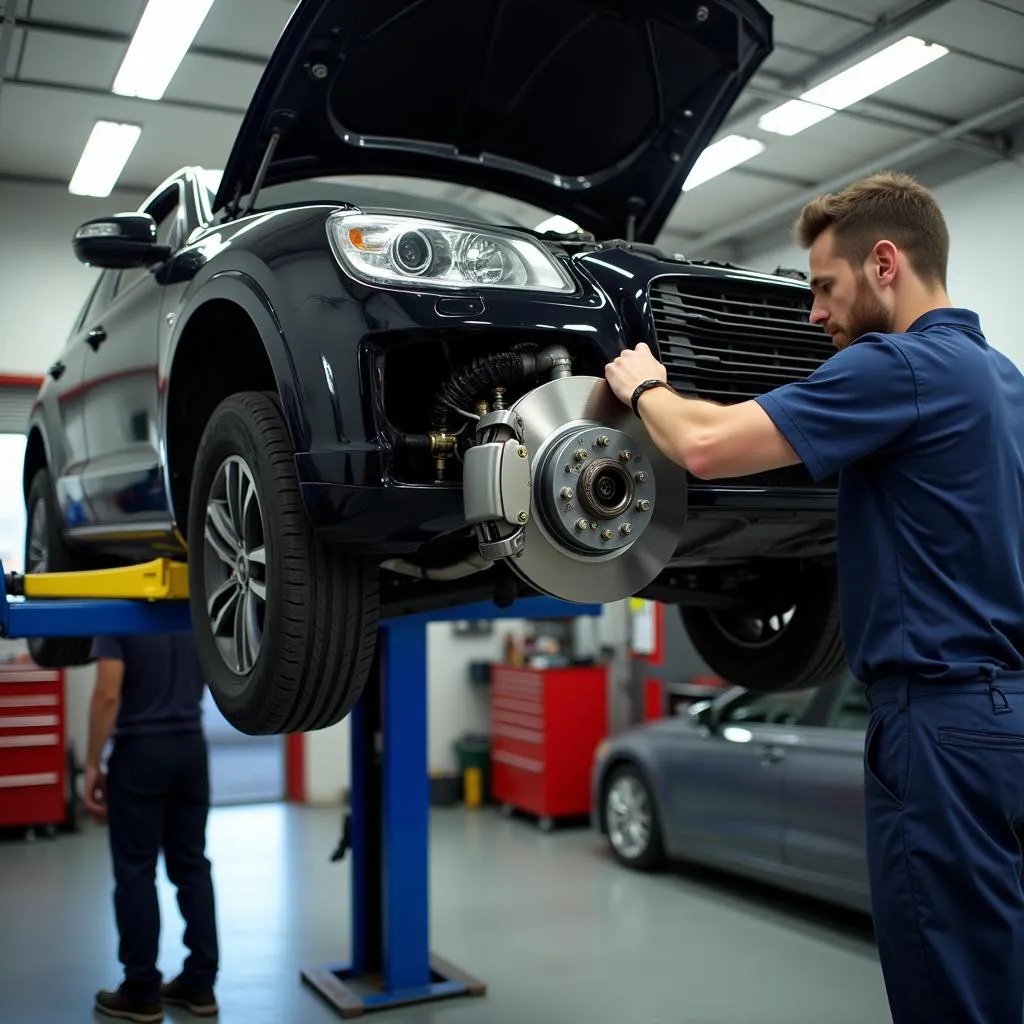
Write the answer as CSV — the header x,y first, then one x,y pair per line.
x,y
592,109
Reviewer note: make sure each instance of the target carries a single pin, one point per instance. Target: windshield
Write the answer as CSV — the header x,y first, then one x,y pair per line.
x,y
415,195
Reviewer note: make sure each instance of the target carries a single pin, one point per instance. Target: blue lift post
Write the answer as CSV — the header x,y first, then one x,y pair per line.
x,y
389,831
389,823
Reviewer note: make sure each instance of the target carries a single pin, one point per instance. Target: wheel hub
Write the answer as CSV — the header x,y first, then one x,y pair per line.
x,y
568,488
628,818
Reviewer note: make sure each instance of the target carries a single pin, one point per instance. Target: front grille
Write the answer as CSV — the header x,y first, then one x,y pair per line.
x,y
728,340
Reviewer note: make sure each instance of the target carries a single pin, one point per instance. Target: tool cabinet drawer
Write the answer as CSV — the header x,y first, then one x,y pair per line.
x,y
545,725
33,770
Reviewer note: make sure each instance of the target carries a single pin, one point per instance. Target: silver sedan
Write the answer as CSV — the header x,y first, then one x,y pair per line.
x,y
769,786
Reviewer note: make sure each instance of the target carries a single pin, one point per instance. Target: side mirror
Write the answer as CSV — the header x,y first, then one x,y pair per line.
x,y
702,713
119,242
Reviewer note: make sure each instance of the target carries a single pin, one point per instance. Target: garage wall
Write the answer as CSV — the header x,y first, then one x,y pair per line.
x,y
454,706
986,261
42,285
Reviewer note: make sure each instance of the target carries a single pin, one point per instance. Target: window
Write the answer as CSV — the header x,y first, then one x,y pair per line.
x,y
12,503
769,708
170,230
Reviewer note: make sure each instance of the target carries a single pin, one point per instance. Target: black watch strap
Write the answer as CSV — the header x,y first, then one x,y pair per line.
x,y
647,385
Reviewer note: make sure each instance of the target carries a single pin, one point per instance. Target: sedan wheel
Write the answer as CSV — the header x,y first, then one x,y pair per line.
x,y
631,821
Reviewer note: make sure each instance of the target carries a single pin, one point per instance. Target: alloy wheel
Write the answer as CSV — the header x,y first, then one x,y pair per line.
x,y
38,554
753,631
235,565
628,817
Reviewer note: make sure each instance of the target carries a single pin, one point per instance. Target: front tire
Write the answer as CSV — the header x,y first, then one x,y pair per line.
x,y
285,626
46,551
631,820
789,640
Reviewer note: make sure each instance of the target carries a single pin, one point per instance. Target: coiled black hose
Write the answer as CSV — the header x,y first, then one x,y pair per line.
x,y
503,369
478,378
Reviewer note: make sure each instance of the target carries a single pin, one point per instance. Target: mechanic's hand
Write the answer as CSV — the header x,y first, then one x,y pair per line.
x,y
630,368
95,795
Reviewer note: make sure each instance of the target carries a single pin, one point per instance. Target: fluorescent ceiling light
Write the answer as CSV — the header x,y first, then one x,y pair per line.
x,y
869,76
720,157
103,159
793,117
159,45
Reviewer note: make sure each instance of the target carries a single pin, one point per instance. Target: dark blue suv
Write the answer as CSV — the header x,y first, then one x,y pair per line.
x,y
342,390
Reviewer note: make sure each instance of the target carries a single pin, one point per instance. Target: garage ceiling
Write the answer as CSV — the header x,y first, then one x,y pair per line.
x,y
960,113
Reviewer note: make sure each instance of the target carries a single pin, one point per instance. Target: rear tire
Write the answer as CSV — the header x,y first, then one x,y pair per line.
x,y
311,609
763,650
46,551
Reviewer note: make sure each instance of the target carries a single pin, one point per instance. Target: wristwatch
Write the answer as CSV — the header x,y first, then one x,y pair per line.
x,y
647,385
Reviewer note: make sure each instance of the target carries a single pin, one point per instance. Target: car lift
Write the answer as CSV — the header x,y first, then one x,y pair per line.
x,y
388,826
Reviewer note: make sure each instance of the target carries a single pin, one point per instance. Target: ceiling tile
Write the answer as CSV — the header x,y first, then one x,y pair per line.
x,y
223,83
73,61
111,15
247,26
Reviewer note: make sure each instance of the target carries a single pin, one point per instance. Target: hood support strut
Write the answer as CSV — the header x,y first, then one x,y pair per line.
x,y
261,174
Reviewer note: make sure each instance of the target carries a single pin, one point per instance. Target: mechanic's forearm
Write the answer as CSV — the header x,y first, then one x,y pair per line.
x,y
102,716
684,429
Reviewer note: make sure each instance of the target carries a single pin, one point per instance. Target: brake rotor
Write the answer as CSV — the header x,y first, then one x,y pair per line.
x,y
606,507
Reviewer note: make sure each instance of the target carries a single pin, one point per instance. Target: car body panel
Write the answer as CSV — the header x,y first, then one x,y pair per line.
x,y
496,99
780,801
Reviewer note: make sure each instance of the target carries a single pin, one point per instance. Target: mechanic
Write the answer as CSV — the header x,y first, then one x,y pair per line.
x,y
155,795
923,421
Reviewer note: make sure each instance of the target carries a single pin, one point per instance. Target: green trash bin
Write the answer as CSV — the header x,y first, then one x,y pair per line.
x,y
474,752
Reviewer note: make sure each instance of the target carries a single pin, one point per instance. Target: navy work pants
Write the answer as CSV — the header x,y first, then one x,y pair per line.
x,y
944,802
158,798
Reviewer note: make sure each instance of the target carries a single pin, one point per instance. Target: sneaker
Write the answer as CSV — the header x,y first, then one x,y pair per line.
x,y
125,1005
200,1001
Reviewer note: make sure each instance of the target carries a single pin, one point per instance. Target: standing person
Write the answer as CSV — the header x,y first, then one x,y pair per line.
x,y
155,796
923,420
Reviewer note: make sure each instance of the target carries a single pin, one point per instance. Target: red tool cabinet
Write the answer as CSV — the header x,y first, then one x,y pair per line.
x,y
33,763
545,725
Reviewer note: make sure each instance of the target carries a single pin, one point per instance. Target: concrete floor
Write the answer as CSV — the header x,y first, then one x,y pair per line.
x,y
560,934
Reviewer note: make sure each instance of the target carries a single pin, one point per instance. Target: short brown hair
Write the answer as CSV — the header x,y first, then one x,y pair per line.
x,y
887,205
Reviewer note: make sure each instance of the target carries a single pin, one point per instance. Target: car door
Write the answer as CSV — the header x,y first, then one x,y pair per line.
x,y
824,794
63,402
122,479
727,795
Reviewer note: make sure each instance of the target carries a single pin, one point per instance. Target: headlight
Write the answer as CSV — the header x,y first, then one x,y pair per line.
x,y
431,254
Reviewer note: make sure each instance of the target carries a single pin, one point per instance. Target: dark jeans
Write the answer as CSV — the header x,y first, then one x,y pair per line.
x,y
158,796
944,788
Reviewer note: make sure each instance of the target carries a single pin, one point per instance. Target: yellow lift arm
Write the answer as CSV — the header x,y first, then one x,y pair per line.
x,y
159,580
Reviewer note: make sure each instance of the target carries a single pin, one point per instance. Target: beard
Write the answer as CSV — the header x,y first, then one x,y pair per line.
x,y
868,315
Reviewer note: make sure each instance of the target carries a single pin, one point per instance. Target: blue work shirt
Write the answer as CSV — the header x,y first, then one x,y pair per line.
x,y
926,432
162,690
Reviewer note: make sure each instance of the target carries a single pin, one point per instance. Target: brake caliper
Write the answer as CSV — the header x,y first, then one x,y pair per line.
x,y
496,492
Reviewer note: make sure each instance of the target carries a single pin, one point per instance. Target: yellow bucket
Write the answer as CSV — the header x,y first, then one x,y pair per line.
x,y
473,785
